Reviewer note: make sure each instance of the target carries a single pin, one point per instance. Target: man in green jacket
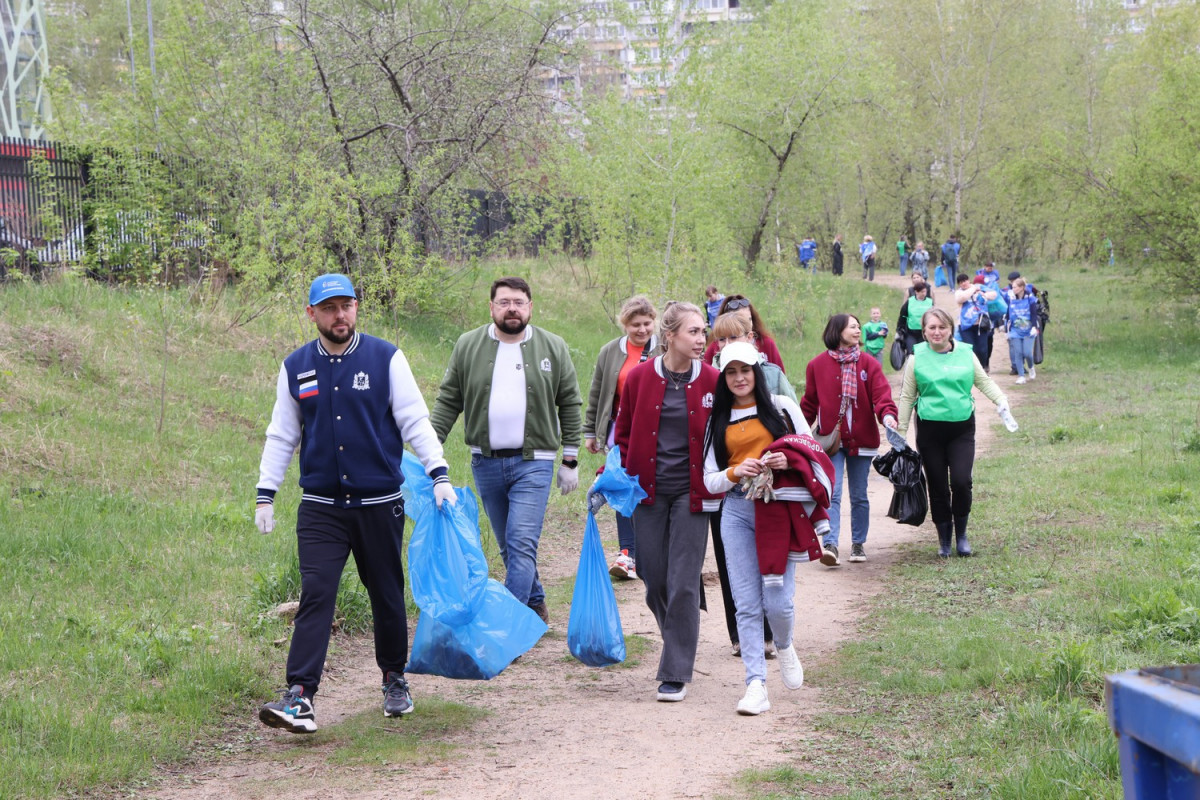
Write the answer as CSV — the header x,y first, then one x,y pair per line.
x,y
516,388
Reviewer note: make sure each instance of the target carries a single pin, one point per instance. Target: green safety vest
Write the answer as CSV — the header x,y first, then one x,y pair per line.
x,y
944,382
916,310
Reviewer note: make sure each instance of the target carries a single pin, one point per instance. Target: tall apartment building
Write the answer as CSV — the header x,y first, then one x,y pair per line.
x,y
636,46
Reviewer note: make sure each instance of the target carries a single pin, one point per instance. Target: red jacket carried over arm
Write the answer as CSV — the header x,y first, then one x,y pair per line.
x,y
802,492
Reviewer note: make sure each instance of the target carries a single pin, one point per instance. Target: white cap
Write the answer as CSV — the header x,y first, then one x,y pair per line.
x,y
737,351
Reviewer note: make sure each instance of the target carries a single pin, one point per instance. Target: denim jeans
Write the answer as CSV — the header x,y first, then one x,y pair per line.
x,y
671,540
753,595
1020,352
859,469
903,264
514,494
626,540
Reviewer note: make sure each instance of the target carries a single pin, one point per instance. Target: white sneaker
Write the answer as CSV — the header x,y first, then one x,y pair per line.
x,y
1032,373
623,567
790,667
1020,380
755,700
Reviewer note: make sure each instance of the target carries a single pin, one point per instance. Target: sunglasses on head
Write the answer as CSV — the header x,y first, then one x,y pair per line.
x,y
734,305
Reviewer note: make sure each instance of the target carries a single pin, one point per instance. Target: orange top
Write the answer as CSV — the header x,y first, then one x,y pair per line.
x,y
633,357
745,438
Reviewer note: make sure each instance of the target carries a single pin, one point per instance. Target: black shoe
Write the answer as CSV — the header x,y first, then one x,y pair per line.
x,y
671,692
960,537
292,712
945,530
542,612
396,698
829,555
857,553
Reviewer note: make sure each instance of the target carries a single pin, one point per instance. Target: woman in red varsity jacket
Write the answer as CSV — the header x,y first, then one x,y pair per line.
x,y
660,429
846,390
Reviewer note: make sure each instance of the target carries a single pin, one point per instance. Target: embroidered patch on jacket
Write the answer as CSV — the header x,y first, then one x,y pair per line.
x,y
862,376
304,375
308,389
546,366
361,381
707,400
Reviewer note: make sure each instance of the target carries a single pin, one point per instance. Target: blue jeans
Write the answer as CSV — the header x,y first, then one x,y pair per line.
x,y
1020,352
752,595
859,469
514,494
903,264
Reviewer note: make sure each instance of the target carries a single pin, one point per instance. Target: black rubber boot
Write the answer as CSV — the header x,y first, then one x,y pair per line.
x,y
944,529
960,537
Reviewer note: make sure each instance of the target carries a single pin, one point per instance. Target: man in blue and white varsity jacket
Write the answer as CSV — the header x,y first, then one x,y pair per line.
x,y
349,402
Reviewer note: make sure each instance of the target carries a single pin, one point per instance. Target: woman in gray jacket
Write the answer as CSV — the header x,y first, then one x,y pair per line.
x,y
615,361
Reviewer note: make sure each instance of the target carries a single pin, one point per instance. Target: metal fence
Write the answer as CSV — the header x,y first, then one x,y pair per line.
x,y
41,201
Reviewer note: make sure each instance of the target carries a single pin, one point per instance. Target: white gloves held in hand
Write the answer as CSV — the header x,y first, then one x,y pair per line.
x,y
264,518
568,478
443,492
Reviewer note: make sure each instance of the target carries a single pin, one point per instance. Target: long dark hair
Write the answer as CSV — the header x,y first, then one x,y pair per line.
x,y
765,408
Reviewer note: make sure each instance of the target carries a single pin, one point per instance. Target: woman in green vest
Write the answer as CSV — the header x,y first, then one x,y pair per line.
x,y
938,378
909,324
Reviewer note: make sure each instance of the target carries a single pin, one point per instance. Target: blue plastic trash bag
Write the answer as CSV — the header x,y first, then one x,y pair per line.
x,y
594,633
939,277
622,491
470,625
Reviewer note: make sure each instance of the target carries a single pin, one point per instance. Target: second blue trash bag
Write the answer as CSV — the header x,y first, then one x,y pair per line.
x,y
620,489
594,633
470,627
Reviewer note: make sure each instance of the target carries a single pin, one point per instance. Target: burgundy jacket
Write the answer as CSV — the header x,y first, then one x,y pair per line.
x,y
783,525
636,431
823,393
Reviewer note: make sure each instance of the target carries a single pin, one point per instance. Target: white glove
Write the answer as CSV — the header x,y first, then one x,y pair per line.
x,y
568,478
443,492
264,518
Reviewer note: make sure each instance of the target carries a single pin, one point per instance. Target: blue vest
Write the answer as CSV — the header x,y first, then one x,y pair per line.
x,y
808,250
968,316
1022,316
350,447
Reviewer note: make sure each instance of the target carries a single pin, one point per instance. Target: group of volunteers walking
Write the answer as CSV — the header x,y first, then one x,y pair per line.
x,y
707,423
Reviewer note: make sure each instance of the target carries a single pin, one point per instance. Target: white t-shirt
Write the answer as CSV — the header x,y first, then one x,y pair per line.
x,y
506,404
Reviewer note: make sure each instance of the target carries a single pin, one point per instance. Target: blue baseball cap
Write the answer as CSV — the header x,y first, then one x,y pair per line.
x,y
328,286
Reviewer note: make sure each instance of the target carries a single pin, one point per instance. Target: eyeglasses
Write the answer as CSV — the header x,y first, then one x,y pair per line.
x,y
510,303
734,305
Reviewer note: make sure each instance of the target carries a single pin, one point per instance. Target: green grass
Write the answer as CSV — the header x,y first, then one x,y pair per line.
x,y
985,677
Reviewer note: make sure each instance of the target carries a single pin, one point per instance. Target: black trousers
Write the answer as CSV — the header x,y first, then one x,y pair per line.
x,y
327,536
948,454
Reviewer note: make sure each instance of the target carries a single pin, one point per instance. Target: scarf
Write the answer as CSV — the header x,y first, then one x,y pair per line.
x,y
848,358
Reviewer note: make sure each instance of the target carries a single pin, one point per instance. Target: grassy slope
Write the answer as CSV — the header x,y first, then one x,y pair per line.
x,y
131,624
984,677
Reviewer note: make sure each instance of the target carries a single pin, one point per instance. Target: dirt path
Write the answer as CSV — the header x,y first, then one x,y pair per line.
x,y
559,729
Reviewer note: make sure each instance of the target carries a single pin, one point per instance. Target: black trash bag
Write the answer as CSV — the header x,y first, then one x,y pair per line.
x,y
896,356
910,501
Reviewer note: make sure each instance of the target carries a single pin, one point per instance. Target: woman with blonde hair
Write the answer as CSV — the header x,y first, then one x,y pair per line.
x,y
616,360
937,382
660,428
